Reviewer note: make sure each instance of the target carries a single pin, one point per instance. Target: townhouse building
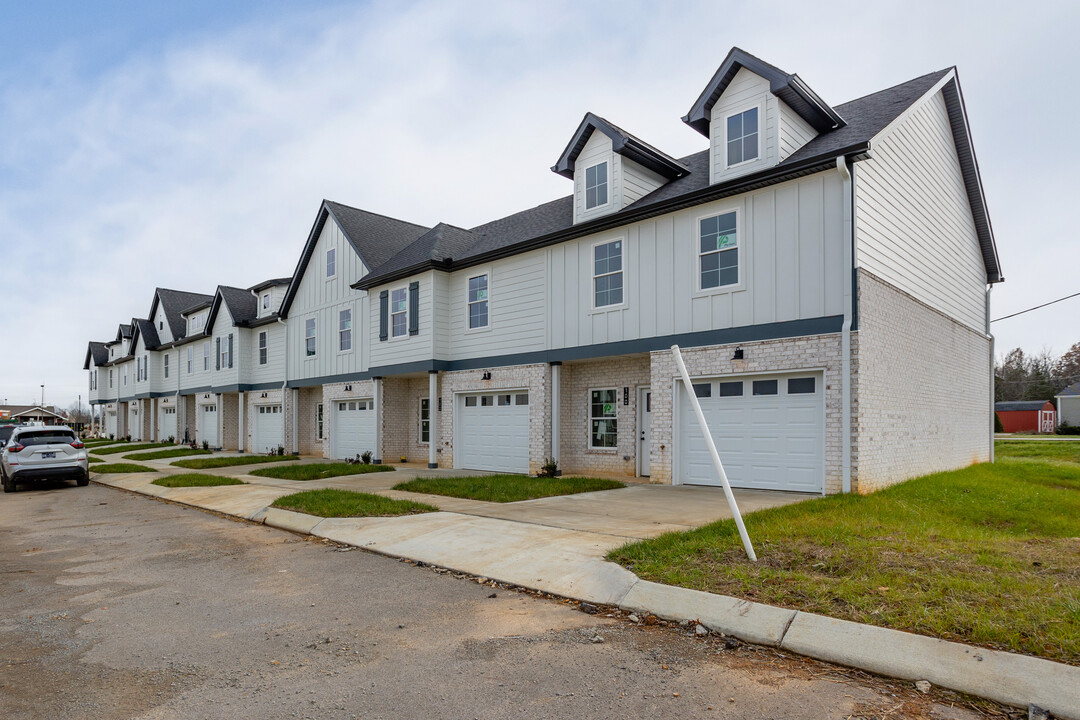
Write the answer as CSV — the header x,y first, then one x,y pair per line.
x,y
825,269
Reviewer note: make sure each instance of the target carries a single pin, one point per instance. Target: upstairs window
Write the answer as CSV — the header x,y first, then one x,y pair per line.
x,y
607,274
161,325
331,262
206,355
110,379
719,251
165,364
190,358
224,344
596,186
262,348
345,330
309,337
478,302
742,137
266,301
399,312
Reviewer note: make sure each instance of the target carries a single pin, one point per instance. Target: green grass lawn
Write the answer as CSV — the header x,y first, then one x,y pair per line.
x,y
989,554
95,443
506,488
315,471
91,459
195,480
1067,450
347,503
122,468
131,448
220,462
162,454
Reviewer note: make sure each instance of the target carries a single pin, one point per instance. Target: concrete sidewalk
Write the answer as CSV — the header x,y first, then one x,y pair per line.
x,y
557,545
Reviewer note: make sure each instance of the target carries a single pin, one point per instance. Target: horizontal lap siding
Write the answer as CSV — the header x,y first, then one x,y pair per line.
x,y
516,310
794,131
914,226
410,348
321,298
745,89
637,182
274,369
223,327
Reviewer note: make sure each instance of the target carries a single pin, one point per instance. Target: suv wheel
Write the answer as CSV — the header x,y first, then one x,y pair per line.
x,y
83,481
9,484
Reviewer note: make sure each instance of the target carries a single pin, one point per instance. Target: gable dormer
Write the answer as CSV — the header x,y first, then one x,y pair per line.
x,y
611,168
756,116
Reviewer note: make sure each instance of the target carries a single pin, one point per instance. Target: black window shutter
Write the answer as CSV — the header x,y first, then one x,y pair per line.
x,y
384,314
414,308
230,349
217,353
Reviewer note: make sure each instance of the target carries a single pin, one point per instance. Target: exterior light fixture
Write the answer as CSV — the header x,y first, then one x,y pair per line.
x,y
738,354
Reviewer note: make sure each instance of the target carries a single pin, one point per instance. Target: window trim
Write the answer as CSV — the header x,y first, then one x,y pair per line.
x,y
588,428
326,265
352,342
585,186
593,275
165,365
314,336
475,274
266,301
390,314
206,356
420,421
760,105
190,358
740,244
264,347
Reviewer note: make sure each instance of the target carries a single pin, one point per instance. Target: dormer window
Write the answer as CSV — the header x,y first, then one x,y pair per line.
x,y
742,137
266,301
331,263
596,186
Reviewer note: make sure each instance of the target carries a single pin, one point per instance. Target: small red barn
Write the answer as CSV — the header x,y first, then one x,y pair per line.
x,y
1034,416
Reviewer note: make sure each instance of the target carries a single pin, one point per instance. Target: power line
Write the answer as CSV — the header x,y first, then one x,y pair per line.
x,y
1036,307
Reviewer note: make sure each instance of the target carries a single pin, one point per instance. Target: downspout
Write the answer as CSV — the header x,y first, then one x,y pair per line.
x,y
845,332
993,379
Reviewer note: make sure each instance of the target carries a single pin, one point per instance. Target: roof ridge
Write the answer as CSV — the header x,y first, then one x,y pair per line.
x,y
382,215
897,85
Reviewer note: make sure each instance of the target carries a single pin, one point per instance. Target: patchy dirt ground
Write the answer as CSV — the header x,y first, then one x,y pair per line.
x,y
120,606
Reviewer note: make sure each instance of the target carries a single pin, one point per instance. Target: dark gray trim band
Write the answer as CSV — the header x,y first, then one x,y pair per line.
x,y
196,391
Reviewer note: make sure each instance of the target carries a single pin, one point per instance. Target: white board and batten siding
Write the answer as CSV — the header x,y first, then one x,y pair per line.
x,y
274,369
790,239
913,223
161,324
323,299
223,327
405,348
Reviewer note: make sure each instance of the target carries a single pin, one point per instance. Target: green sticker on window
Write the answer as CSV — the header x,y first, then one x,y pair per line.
x,y
481,294
722,241
609,408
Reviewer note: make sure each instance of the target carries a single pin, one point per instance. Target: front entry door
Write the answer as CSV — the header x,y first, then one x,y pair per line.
x,y
644,432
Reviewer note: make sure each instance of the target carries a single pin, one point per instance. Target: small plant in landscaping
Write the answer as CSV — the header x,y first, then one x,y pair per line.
x,y
549,469
205,445
365,457
127,438
172,439
280,449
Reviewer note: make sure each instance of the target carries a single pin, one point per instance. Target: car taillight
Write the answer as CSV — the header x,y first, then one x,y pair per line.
x,y
77,445
15,447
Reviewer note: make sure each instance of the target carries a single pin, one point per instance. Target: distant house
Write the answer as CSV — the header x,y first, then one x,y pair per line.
x,y
1068,405
1036,416
32,413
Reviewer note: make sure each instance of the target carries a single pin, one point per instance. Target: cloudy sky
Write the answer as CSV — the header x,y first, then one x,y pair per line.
x,y
187,144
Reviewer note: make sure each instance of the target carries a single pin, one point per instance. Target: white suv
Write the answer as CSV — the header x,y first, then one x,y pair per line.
x,y
43,453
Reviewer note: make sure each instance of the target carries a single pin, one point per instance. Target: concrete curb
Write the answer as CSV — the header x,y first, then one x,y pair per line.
x,y
1009,678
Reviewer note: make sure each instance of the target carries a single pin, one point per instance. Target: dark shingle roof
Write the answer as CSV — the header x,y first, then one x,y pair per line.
x,y
98,352
147,332
270,283
243,306
174,303
865,117
1073,389
623,143
1019,405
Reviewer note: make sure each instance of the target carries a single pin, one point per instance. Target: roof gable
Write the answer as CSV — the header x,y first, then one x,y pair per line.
x,y
788,87
175,303
146,330
97,352
622,143
241,305
375,238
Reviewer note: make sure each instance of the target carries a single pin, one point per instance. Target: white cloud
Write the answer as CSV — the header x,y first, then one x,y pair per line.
x,y
203,161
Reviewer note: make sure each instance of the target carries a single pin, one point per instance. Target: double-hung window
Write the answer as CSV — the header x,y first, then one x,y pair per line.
x,y
603,425
742,137
224,353
425,421
125,375
719,251
399,312
331,263
206,355
262,348
190,358
478,302
110,379
596,186
266,301
165,365
345,330
309,337
608,274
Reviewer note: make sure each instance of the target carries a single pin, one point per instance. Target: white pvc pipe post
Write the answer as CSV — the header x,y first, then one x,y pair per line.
x,y
713,453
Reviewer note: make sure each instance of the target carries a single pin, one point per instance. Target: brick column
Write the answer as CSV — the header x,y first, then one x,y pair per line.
x,y
378,398
433,415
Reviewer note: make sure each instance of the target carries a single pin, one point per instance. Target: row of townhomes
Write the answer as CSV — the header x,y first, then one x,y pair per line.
x,y
826,271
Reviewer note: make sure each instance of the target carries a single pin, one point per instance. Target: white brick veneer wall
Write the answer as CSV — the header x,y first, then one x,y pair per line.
x,y
229,407
577,380
924,389
801,353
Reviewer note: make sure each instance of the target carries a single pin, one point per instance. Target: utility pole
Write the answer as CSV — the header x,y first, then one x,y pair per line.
x,y
42,397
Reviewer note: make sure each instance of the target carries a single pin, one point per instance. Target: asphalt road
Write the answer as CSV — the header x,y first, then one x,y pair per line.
x,y
121,606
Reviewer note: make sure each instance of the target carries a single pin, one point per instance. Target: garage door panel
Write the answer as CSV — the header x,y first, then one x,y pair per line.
x,y
269,428
353,428
765,441
491,435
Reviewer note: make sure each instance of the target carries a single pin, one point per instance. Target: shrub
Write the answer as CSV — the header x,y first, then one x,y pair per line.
x,y
998,427
205,445
549,469
365,457
1065,428
280,450
172,439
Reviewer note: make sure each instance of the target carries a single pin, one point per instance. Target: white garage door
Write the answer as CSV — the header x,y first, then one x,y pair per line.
x,y
208,425
353,428
768,430
110,423
269,428
493,431
166,423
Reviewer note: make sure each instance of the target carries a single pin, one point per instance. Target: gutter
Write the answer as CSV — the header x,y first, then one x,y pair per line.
x,y
285,381
765,178
993,378
845,331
